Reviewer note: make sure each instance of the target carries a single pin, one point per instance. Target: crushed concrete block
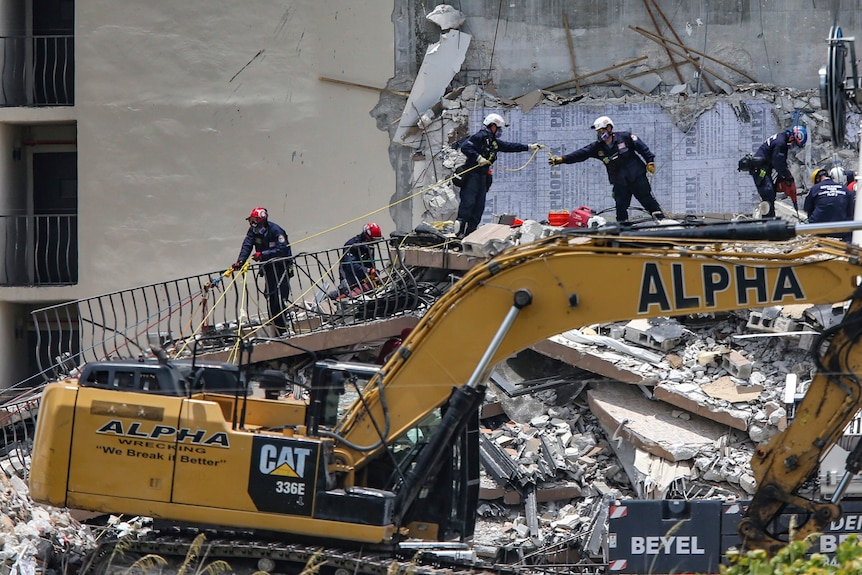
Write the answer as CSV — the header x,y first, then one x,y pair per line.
x,y
707,358
642,332
771,320
807,340
724,388
737,365
646,83
488,240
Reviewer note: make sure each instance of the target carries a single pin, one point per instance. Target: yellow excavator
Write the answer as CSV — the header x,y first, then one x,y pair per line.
x,y
169,440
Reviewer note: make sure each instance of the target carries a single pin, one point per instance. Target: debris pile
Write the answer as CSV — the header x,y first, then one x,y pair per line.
x,y
679,418
37,538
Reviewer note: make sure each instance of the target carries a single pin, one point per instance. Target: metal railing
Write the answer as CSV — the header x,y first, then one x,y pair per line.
x,y
37,70
176,313
39,250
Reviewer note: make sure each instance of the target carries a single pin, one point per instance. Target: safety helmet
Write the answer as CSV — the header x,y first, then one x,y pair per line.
x,y
257,216
815,175
371,230
495,119
602,122
838,175
798,135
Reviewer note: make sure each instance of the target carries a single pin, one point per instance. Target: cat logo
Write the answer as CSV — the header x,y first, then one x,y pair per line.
x,y
283,461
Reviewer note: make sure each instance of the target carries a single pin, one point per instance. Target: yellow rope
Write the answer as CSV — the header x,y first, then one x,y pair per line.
x,y
229,273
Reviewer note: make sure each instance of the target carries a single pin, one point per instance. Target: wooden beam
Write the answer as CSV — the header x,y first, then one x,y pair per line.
x,y
597,72
363,86
693,51
571,51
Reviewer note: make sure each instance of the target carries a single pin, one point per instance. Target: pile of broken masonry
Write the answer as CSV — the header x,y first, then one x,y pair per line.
x,y
662,409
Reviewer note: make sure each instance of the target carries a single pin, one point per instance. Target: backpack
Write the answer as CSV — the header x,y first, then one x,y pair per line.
x,y
749,163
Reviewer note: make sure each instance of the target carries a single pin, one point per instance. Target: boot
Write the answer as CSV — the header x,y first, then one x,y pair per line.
x,y
460,229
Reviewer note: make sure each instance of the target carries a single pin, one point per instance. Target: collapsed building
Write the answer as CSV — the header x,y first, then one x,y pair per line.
x,y
667,409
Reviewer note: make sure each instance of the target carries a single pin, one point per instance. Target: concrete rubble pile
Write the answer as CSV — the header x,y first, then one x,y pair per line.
x,y
36,538
687,403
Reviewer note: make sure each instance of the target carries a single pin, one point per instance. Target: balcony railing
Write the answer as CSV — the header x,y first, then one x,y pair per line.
x,y
37,71
39,250
208,307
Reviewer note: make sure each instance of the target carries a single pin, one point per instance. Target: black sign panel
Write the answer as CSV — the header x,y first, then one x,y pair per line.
x,y
282,474
664,537
656,537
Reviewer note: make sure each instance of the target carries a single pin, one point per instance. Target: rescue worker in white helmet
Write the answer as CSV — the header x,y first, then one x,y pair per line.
x,y
627,159
481,151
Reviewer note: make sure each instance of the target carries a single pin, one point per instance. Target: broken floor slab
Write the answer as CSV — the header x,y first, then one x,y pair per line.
x,y
651,425
562,348
698,404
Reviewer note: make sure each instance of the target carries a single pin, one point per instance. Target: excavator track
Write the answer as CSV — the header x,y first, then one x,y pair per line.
x,y
248,555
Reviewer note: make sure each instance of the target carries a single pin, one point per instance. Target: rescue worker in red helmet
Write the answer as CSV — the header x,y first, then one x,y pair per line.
x,y
267,242
771,173
356,270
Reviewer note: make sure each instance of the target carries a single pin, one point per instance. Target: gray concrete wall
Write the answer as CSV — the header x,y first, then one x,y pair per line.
x,y
523,44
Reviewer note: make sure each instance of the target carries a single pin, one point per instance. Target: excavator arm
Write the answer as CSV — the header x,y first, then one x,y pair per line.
x,y
538,290
787,460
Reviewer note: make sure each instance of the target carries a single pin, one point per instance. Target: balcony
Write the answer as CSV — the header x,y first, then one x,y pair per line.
x,y
207,312
39,250
37,71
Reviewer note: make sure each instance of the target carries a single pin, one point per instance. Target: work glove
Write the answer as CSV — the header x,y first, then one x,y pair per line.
x,y
534,147
650,167
483,161
256,256
555,160
236,265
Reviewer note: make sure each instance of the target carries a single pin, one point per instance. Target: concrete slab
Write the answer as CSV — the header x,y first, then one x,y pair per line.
x,y
650,425
488,240
440,259
559,347
325,340
733,418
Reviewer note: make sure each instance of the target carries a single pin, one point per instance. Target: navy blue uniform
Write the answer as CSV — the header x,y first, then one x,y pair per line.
x,y
771,156
477,181
271,241
625,158
357,261
829,201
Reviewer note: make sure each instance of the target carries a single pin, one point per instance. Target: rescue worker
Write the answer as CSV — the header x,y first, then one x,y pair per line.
x,y
481,150
838,175
267,242
771,157
627,159
851,180
830,201
356,270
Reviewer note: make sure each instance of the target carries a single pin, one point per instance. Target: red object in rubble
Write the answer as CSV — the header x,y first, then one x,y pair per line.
x,y
580,218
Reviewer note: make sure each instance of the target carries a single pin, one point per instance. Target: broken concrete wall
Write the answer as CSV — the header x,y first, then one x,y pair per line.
x,y
697,151
517,49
